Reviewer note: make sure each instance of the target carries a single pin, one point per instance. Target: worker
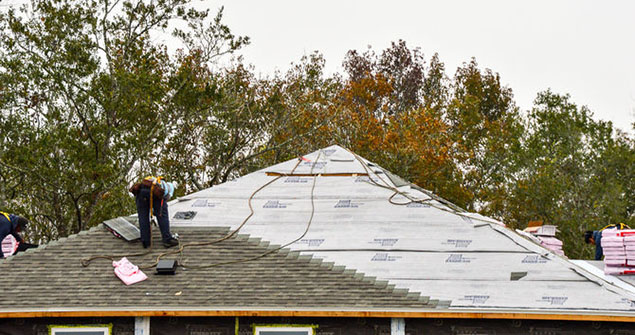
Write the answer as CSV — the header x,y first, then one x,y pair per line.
x,y
595,237
11,224
154,192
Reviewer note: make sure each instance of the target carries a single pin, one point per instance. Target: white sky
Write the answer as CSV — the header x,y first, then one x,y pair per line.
x,y
584,48
581,47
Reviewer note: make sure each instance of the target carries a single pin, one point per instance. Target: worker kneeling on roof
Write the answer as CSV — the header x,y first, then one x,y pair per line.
x,y
152,194
11,224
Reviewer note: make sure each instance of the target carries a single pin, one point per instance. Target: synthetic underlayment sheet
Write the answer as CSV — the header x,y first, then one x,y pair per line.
x,y
422,246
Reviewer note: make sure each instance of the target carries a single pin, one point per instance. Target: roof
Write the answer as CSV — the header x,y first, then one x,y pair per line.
x,y
52,278
371,221
338,208
597,268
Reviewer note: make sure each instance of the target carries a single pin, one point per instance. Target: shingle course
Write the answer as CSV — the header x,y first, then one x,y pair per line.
x,y
52,277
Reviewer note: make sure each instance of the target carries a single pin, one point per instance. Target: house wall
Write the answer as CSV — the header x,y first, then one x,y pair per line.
x,y
326,326
381,326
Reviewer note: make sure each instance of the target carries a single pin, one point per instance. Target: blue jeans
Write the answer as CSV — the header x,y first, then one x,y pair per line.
x,y
160,208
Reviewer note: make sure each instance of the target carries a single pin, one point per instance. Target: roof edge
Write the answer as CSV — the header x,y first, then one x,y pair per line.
x,y
397,313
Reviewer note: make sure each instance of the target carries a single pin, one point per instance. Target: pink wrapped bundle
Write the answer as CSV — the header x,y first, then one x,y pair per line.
x,y
558,252
553,248
128,272
617,270
615,259
615,254
627,232
630,262
629,240
610,232
615,262
612,239
629,248
620,248
617,232
611,244
545,240
9,245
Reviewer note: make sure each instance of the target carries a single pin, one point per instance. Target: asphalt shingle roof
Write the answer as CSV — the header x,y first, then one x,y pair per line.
x,y
52,277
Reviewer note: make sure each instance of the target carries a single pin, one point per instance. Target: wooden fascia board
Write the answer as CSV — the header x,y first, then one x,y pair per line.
x,y
300,313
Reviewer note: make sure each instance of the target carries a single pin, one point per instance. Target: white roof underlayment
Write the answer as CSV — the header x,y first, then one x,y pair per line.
x,y
415,242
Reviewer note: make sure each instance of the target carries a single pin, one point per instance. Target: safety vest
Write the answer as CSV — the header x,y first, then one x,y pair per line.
x,y
619,226
6,215
153,179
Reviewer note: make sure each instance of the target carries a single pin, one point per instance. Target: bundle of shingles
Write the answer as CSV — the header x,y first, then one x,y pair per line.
x,y
618,247
546,236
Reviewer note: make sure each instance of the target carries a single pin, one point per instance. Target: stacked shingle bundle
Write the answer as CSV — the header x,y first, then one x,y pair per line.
x,y
552,244
547,236
618,247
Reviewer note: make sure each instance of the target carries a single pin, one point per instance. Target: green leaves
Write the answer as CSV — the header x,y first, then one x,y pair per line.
x,y
573,172
88,98
91,100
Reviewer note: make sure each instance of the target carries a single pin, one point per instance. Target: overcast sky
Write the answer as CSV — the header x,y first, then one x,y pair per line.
x,y
580,47
584,48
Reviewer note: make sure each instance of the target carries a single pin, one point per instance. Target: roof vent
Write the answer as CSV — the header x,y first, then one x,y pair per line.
x,y
517,275
166,267
185,215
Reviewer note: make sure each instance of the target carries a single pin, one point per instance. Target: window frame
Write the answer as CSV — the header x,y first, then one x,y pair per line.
x,y
285,328
106,329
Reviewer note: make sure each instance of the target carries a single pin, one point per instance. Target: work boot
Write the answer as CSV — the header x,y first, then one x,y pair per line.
x,y
171,242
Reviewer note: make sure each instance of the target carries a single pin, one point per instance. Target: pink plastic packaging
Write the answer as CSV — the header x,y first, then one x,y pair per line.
x,y
612,248
611,244
550,241
610,232
617,232
612,239
615,262
615,254
9,245
617,270
128,272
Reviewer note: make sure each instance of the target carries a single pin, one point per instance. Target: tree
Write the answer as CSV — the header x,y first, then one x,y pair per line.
x,y
574,173
87,96
485,127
